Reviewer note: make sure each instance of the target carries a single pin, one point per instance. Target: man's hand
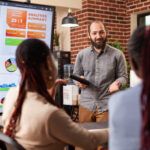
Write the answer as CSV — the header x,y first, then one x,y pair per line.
x,y
80,85
114,87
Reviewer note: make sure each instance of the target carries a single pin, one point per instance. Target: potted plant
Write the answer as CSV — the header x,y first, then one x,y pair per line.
x,y
117,45
56,40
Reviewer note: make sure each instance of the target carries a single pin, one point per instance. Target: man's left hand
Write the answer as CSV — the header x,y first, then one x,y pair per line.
x,y
114,87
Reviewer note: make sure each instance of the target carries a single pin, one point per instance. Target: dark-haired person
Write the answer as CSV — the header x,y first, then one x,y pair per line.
x,y
130,110
30,115
105,67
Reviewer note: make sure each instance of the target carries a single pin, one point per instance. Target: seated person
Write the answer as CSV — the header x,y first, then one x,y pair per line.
x,y
30,114
130,110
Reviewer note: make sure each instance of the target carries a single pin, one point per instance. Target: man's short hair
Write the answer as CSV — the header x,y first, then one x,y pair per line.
x,y
95,21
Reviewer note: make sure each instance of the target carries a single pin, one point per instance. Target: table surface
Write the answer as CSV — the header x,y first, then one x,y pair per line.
x,y
94,125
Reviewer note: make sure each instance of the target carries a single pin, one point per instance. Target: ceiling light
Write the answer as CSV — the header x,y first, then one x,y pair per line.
x,y
69,20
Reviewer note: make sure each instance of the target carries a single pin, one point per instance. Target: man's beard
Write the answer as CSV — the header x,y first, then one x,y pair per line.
x,y
99,45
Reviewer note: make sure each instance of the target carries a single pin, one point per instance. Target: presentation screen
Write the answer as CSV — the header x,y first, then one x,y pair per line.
x,y
19,21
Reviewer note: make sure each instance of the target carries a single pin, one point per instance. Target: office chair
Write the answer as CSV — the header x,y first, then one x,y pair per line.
x,y
7,143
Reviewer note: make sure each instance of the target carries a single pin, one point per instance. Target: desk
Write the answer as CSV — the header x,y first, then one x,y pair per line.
x,y
94,125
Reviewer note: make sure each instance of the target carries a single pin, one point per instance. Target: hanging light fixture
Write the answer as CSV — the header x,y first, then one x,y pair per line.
x,y
69,20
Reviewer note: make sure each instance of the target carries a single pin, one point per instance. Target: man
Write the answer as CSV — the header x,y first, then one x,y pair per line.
x,y
105,68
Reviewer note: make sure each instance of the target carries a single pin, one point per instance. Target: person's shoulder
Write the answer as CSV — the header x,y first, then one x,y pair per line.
x,y
85,51
111,48
126,96
60,114
47,109
13,91
114,50
41,101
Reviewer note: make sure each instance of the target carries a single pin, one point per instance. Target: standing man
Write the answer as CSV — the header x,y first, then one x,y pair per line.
x,y
105,68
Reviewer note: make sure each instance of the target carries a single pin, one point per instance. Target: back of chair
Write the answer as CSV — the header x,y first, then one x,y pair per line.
x,y
6,141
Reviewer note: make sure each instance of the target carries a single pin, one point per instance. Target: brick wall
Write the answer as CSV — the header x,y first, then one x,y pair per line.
x,y
115,14
136,7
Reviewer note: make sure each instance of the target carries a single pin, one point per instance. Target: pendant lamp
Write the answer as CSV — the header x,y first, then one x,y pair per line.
x,y
69,20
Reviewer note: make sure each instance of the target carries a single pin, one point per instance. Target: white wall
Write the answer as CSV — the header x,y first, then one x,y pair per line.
x,y
64,32
133,22
75,4
134,79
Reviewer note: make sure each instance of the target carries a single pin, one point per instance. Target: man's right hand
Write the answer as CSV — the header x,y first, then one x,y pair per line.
x,y
80,85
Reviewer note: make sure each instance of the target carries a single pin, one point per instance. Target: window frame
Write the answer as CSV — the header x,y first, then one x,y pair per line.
x,y
139,16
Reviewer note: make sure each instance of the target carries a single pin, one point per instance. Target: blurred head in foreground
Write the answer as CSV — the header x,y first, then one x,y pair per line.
x,y
139,52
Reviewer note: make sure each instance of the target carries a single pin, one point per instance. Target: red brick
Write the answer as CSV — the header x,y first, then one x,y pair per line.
x,y
115,14
147,3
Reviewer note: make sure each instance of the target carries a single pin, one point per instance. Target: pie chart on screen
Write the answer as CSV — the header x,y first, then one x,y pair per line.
x,y
1,105
10,65
2,100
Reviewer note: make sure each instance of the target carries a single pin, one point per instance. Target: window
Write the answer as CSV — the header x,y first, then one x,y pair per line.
x,y
143,19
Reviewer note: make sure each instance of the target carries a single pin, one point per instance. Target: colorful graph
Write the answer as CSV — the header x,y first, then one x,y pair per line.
x,y
10,65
